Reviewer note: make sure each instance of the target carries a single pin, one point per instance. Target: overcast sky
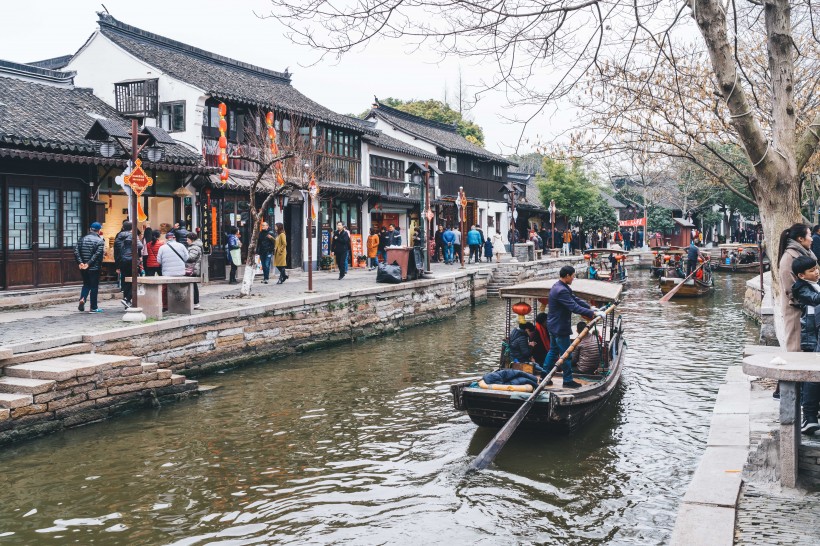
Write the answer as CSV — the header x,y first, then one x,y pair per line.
x,y
40,29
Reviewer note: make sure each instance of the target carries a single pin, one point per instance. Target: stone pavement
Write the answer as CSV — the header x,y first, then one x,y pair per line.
x,y
19,326
769,517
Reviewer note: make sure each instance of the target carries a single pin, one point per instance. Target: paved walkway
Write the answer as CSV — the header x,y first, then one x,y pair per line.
x,y
772,517
64,319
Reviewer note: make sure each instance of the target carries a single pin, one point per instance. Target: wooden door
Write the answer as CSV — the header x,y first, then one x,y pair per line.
x,y
45,221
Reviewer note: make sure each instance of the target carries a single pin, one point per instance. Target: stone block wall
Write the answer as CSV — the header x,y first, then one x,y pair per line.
x,y
220,339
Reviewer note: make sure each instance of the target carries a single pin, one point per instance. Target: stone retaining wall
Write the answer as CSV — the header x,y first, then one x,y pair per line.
x,y
220,339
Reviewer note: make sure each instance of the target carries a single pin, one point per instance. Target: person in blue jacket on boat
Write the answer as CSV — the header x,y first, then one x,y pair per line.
x,y
562,304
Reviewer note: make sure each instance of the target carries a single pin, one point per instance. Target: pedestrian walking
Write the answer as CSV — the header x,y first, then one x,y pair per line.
x,y
498,246
438,249
265,248
457,245
280,260
341,248
474,242
373,249
382,253
567,238
488,250
234,251
448,240
194,262
89,253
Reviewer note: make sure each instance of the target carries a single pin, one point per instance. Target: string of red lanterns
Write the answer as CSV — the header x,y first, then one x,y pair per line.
x,y
223,143
274,149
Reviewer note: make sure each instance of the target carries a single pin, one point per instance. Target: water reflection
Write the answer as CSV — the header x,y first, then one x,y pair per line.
x,y
360,444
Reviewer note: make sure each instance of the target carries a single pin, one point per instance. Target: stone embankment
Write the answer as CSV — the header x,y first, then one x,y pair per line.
x,y
89,375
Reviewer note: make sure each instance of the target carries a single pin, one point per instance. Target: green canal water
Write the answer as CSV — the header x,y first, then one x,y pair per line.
x,y
360,444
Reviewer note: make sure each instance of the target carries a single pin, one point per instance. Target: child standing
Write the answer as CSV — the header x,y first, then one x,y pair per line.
x,y
806,292
488,250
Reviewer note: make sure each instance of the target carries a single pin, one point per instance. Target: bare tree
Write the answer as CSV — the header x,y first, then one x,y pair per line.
x,y
744,57
279,169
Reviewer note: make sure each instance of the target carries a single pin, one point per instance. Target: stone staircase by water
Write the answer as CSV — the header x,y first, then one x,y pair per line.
x,y
502,276
48,389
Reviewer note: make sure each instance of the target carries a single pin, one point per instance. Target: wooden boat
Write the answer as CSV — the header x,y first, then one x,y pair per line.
x,y
742,258
692,288
556,409
667,262
598,260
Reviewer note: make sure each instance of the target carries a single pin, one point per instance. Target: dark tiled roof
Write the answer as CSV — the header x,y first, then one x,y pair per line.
x,y
221,77
442,135
611,201
9,68
378,138
52,64
45,117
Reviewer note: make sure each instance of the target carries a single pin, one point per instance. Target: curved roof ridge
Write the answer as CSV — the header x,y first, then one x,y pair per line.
x,y
107,22
417,119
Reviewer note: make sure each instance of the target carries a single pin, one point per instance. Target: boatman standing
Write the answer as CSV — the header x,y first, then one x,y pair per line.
x,y
562,304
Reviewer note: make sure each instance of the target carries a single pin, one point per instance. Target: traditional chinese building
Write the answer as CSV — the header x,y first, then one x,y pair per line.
x,y
54,180
481,173
183,86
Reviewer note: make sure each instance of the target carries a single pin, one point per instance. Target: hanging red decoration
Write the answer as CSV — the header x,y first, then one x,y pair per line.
x,y
274,149
223,143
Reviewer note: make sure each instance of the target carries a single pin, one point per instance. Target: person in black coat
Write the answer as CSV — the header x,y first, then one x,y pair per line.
x,y
692,254
521,343
439,244
341,248
89,256
806,292
815,240
265,248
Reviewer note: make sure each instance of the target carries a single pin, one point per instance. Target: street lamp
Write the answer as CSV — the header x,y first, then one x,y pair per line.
x,y
312,194
137,180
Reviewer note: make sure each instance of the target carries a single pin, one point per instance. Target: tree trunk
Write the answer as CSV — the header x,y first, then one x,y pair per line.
x,y
250,262
779,209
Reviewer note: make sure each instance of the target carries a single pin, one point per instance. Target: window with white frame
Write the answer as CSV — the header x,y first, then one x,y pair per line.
x,y
172,116
451,164
498,171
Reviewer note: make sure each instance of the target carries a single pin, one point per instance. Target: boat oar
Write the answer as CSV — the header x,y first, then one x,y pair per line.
x,y
500,440
677,287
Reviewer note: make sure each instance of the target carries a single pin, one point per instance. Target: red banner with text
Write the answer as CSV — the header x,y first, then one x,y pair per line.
x,y
633,223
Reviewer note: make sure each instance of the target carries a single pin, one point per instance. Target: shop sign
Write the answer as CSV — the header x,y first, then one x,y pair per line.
x,y
325,242
137,180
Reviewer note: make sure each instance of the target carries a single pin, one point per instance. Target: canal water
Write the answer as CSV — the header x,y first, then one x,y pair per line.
x,y
360,444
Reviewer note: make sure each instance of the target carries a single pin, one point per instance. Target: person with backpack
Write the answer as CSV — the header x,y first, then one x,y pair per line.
x,y
123,260
194,262
89,255
152,246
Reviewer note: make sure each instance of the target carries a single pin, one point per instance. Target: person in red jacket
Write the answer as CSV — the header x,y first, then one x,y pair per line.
x,y
152,266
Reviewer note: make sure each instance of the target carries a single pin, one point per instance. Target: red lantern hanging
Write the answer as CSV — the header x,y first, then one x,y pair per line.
x,y
274,149
223,143
522,309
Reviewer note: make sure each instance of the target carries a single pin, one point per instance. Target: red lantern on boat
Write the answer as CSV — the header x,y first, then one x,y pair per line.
x,y
586,256
522,309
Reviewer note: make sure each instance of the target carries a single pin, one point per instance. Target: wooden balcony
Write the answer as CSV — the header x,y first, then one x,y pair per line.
x,y
137,98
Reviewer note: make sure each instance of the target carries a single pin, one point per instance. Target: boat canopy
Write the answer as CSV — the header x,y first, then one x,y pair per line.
x,y
729,246
583,288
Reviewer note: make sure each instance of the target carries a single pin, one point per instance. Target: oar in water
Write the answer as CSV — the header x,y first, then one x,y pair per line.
x,y
674,290
500,440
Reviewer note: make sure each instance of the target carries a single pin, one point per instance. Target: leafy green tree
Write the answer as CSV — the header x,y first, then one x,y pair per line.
x,y
436,110
574,194
659,219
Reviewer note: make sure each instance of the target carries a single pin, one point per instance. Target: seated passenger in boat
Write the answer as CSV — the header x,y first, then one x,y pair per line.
x,y
541,338
586,358
522,342
593,273
507,376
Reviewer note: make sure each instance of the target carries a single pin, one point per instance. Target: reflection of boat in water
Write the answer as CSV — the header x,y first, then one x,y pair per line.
x,y
556,408
607,264
701,284
740,257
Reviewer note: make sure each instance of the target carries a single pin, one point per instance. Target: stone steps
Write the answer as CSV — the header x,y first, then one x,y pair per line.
x,y
12,385
68,367
10,359
15,400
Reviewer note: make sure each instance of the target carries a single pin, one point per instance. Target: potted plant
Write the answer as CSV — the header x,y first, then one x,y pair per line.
x,y
325,262
362,260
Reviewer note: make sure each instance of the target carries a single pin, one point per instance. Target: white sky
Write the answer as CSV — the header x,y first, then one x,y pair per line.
x,y
40,29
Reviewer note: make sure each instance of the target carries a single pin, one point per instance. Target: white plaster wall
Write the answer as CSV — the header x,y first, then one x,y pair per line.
x,y
101,63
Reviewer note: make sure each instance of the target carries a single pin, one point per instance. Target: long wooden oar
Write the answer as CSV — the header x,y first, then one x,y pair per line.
x,y
500,440
677,287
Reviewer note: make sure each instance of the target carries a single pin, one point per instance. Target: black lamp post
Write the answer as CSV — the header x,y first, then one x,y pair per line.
x,y
107,133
